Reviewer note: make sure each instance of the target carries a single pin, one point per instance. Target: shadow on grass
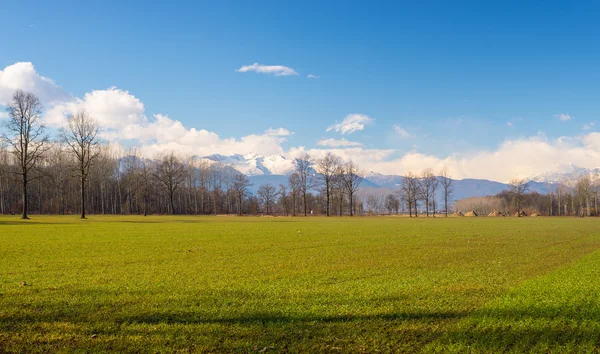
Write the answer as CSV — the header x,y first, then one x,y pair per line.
x,y
268,318
434,331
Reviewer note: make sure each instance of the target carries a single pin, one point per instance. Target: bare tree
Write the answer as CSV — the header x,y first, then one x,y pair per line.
x,y
447,186
26,135
410,189
80,136
392,204
240,187
305,177
428,184
267,194
352,180
145,181
284,199
583,188
518,187
170,172
294,181
328,168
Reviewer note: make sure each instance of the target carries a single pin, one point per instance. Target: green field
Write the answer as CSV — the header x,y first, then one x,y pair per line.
x,y
247,284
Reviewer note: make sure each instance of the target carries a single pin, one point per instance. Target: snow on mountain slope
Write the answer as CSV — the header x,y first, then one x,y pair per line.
x,y
567,173
254,164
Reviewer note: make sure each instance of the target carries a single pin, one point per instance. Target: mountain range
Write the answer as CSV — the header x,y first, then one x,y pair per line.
x,y
275,169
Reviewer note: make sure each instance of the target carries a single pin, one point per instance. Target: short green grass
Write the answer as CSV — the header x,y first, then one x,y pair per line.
x,y
229,284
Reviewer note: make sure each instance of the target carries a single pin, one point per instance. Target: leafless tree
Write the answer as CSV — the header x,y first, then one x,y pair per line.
x,y
428,183
81,137
583,188
267,194
295,187
518,187
392,204
328,168
170,172
240,187
306,179
284,199
352,179
27,137
410,191
447,186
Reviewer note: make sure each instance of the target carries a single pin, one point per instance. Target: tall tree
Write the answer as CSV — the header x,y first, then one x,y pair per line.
x,y
267,194
428,183
294,182
410,183
328,168
518,187
352,180
305,175
81,136
583,188
447,186
240,187
170,172
27,137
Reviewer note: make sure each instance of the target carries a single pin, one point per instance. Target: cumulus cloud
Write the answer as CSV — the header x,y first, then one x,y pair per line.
x,y
278,132
589,126
564,117
122,118
401,131
276,70
113,109
24,76
338,143
311,76
351,123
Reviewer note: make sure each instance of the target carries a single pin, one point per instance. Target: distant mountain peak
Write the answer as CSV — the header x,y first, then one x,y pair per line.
x,y
253,164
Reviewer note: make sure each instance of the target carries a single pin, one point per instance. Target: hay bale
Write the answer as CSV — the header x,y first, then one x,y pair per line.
x,y
471,213
496,213
534,214
520,214
458,213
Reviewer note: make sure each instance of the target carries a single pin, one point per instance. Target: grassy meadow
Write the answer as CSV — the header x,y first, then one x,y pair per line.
x,y
249,284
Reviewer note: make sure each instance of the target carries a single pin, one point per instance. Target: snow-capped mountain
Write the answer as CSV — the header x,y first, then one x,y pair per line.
x,y
275,169
567,173
254,164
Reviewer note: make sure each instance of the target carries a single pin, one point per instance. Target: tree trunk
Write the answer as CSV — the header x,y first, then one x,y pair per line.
x,y
24,216
82,197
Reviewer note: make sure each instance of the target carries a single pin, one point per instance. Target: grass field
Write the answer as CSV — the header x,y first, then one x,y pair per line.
x,y
228,284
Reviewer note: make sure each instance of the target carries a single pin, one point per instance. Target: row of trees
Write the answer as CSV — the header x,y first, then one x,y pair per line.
x,y
421,190
76,172
569,197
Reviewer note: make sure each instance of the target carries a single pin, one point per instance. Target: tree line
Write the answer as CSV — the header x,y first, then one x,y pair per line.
x,y
578,197
77,173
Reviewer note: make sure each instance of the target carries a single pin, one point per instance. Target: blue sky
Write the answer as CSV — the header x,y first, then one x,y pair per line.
x,y
457,77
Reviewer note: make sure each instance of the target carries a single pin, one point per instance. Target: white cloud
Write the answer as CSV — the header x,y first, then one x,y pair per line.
x,y
564,117
311,76
278,132
589,126
23,76
123,119
277,70
402,132
352,123
338,143
114,109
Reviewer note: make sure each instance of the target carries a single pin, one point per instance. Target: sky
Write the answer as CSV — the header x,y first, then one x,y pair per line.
x,y
490,90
